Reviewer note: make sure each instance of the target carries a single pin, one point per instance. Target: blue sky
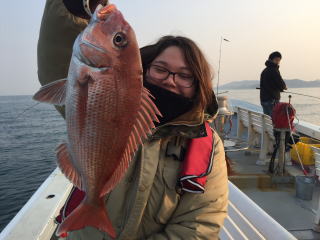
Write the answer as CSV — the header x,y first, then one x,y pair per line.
x,y
254,28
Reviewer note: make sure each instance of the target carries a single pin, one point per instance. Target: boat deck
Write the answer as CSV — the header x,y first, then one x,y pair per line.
x,y
275,195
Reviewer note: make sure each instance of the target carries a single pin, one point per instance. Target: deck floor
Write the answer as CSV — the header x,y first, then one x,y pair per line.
x,y
278,200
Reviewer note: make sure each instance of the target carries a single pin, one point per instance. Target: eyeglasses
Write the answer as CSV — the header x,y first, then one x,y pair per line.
x,y
181,79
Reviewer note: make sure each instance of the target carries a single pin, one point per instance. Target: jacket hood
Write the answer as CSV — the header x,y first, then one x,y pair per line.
x,y
269,63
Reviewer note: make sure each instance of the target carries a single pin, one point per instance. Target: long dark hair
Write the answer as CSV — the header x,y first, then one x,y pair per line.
x,y
198,64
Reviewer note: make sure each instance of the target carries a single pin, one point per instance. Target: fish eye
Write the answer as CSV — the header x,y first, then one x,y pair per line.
x,y
120,40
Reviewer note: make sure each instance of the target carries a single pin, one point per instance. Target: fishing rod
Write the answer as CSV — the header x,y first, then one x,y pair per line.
x,y
222,92
26,110
298,94
221,40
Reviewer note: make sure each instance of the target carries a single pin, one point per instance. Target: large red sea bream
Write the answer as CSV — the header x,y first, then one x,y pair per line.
x,y
108,113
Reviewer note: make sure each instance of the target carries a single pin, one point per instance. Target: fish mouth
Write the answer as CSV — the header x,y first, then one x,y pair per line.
x,y
105,11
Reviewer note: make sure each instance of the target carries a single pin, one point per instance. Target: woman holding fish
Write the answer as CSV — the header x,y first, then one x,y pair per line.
x,y
144,161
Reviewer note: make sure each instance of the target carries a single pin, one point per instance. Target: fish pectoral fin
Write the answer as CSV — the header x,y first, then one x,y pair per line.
x,y
142,126
54,93
66,166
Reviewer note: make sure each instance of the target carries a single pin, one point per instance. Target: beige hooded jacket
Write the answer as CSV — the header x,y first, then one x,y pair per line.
x,y
146,204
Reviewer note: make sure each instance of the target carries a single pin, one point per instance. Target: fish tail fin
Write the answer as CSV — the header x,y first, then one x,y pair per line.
x,y
87,215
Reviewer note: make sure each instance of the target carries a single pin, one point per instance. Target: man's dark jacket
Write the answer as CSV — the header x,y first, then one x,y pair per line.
x,y
271,83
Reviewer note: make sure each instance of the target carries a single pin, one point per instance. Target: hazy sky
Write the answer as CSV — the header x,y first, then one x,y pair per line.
x,y
254,27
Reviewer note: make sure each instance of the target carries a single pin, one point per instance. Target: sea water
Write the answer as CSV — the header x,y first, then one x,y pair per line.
x,y
27,145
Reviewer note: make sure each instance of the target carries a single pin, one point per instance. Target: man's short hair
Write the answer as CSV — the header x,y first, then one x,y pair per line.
x,y
275,55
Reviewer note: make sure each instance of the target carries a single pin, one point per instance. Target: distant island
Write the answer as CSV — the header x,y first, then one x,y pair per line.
x,y
252,84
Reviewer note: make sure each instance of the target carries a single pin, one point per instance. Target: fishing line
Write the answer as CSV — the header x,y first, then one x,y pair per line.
x,y
298,94
294,143
26,110
221,40
302,95
222,92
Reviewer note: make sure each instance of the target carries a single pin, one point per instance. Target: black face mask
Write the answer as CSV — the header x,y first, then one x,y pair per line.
x,y
171,105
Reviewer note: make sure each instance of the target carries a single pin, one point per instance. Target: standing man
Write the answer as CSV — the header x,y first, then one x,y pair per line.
x,y
271,83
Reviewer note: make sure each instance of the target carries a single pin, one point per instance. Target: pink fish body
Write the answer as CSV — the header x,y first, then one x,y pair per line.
x,y
108,114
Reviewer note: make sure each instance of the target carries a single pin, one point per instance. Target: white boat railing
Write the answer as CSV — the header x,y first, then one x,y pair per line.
x,y
308,129
259,130
246,220
316,152
303,127
35,221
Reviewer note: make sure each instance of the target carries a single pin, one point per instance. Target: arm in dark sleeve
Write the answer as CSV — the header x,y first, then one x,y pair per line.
x,y
61,23
77,8
278,81
59,28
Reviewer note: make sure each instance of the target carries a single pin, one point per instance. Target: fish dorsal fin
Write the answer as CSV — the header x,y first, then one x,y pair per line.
x,y
142,126
66,166
54,93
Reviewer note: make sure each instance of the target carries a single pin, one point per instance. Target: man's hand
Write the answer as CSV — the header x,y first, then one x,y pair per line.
x,y
83,8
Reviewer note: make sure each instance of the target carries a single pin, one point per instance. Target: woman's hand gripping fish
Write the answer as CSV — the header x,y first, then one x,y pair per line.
x,y
108,114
